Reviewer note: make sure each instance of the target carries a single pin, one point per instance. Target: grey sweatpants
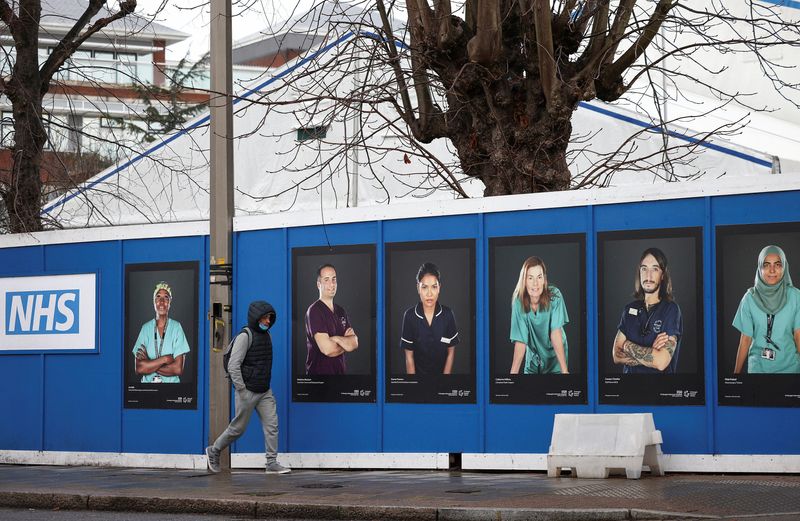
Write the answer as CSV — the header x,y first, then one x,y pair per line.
x,y
264,404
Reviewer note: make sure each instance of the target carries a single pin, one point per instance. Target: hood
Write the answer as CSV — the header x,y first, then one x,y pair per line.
x,y
258,309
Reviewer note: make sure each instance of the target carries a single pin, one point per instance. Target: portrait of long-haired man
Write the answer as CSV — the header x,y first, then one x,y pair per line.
x,y
650,304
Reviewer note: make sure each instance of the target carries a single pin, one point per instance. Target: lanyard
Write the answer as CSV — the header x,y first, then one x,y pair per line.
x,y
158,345
768,336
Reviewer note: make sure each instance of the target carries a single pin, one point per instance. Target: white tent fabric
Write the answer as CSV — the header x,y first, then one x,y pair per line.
x,y
274,172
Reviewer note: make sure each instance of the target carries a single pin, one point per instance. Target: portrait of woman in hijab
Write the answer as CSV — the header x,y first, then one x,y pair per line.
x,y
768,318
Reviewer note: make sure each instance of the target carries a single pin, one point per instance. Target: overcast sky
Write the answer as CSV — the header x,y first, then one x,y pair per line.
x,y
191,16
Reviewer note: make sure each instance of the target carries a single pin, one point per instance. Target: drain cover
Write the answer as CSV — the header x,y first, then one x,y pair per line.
x,y
321,485
463,491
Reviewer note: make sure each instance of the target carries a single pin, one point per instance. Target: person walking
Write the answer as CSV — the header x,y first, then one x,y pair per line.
x,y
250,369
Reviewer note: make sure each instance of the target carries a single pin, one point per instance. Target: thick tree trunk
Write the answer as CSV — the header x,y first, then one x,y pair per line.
x,y
25,90
26,87
513,73
23,196
507,113
512,155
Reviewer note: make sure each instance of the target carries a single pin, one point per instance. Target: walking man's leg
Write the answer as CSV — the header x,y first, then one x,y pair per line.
x,y
245,402
268,412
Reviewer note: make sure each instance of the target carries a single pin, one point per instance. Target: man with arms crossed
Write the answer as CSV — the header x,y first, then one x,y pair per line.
x,y
329,334
649,332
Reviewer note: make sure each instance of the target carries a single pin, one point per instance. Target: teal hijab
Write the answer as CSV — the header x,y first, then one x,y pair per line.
x,y
770,299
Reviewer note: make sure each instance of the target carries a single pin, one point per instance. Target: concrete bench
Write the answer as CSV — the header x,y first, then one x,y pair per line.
x,y
596,445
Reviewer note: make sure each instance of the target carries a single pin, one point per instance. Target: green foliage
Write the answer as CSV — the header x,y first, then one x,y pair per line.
x,y
164,109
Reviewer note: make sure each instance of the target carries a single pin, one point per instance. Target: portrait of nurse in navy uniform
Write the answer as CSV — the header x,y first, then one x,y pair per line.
x,y
429,334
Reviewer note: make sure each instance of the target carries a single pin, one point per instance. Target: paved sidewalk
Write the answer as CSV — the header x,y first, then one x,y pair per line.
x,y
417,495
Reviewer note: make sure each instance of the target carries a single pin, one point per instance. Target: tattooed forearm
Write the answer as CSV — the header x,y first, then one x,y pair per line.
x,y
670,346
636,354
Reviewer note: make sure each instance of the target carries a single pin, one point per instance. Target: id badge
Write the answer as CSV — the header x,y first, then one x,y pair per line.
x,y
768,354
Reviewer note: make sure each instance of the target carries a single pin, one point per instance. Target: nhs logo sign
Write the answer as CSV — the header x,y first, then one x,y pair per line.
x,y
48,313
43,312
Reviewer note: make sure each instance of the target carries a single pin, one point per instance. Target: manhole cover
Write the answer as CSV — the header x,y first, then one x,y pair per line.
x,y
463,491
321,485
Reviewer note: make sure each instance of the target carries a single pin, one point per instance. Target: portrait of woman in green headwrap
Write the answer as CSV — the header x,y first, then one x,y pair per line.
x,y
768,318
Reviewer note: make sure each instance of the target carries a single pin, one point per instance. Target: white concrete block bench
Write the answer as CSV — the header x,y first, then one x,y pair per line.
x,y
596,445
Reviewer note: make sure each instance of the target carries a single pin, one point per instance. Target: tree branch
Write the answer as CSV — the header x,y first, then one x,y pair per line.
x,y
407,113
442,12
542,20
71,41
418,11
10,19
599,28
425,15
484,48
640,45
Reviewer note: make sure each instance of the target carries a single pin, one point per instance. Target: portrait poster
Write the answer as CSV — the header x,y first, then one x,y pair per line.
x,y
161,348
527,371
654,314
426,339
327,310
768,372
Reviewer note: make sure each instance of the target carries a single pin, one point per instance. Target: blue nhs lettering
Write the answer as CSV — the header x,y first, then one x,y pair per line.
x,y
46,312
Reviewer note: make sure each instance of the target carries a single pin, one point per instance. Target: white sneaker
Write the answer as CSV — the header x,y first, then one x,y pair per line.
x,y
277,468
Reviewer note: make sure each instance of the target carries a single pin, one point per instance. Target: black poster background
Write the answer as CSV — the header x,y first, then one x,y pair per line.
x,y
617,256
456,262
140,281
565,259
737,257
355,292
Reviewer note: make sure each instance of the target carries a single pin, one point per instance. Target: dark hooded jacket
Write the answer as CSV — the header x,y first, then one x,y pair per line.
x,y
257,363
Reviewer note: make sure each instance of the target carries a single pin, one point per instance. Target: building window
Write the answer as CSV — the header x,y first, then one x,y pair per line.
x,y
311,133
6,130
109,122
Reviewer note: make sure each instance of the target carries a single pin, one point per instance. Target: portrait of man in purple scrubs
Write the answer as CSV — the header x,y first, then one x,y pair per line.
x,y
329,334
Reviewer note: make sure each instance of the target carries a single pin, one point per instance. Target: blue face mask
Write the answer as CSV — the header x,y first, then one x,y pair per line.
x,y
262,327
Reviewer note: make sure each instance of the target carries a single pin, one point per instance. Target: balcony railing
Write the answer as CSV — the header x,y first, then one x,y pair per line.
x,y
84,69
147,73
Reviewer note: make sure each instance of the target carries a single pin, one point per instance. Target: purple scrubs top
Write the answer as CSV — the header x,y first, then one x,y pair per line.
x,y
320,319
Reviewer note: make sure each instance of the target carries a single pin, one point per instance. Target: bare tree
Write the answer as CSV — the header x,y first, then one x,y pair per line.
x,y
388,108
500,81
513,72
26,87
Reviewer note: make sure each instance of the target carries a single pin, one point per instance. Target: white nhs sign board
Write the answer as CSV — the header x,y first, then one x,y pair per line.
x,y
56,312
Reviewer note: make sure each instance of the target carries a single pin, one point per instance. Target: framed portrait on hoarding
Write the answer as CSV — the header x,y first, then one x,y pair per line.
x,y
650,304
161,348
333,324
430,321
758,315
537,319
